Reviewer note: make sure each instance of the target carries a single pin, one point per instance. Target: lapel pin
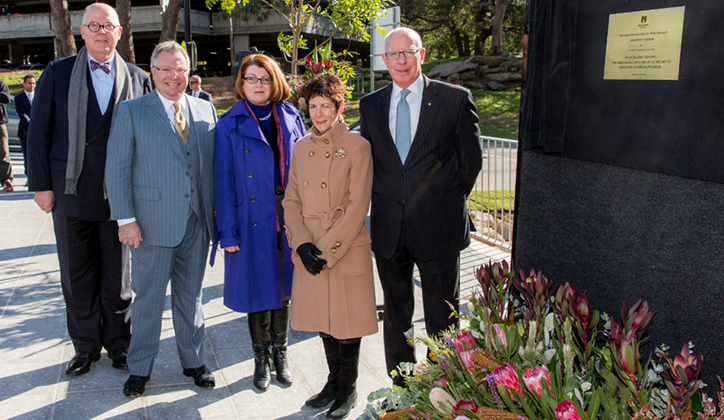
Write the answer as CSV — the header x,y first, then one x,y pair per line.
x,y
341,153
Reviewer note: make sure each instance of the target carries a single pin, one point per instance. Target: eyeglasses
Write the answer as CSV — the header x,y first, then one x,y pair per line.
x,y
107,27
169,72
193,83
396,55
266,80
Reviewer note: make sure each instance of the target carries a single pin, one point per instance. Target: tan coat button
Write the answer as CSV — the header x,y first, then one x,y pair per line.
x,y
333,250
311,154
326,154
251,175
324,185
338,244
326,141
306,184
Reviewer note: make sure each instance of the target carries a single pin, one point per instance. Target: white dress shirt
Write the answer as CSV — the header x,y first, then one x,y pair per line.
x,y
170,111
103,83
30,96
414,99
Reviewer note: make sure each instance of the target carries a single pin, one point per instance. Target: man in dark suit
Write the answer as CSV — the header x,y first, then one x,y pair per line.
x,y
196,91
427,156
6,165
23,106
160,179
74,107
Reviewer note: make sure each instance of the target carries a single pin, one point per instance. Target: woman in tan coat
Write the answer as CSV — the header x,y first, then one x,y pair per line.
x,y
325,206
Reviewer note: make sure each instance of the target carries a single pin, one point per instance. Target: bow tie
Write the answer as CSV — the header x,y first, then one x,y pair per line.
x,y
106,67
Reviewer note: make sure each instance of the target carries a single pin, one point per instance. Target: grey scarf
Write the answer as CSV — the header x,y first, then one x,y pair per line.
x,y
78,112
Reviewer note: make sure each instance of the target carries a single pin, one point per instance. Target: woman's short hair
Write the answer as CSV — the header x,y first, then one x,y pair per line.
x,y
279,88
326,85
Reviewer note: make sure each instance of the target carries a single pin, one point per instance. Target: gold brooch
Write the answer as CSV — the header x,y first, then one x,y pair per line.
x,y
341,153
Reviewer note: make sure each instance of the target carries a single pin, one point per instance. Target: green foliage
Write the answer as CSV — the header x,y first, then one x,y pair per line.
x,y
14,79
500,200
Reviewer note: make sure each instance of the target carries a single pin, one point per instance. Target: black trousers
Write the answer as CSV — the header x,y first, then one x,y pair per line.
x,y
92,261
440,281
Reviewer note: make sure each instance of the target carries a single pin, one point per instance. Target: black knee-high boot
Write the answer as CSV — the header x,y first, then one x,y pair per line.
x,y
279,335
348,372
329,392
260,330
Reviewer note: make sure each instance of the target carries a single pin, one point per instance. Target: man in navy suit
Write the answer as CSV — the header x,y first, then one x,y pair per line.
x,y
6,165
160,186
427,156
74,107
196,91
23,106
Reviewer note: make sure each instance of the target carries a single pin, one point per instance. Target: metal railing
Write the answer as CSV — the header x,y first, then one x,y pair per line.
x,y
491,201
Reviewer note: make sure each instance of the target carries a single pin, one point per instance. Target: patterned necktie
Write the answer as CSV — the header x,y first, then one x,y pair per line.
x,y
106,67
402,126
180,123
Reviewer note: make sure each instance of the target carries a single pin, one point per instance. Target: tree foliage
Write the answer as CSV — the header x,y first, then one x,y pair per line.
x,y
464,27
350,17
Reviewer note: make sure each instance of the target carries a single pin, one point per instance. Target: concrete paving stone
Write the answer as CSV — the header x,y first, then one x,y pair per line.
x,y
102,404
31,347
231,337
28,407
167,369
276,402
102,376
298,337
188,402
42,323
19,379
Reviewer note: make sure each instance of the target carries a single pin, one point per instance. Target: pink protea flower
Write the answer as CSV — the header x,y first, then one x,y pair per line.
x,y
566,410
497,330
507,377
464,341
533,379
466,359
465,405
441,382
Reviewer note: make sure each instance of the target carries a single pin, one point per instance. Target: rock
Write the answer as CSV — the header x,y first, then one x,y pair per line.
x,y
496,86
452,78
380,75
382,83
493,61
504,77
495,70
445,70
469,75
517,63
475,84
475,59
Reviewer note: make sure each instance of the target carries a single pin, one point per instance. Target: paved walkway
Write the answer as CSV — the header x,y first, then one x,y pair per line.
x,y
34,344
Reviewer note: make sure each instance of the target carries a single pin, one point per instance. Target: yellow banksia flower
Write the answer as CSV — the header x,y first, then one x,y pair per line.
x,y
487,413
484,361
400,414
433,356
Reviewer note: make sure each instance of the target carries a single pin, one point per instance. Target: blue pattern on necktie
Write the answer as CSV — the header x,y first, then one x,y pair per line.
x,y
106,67
402,126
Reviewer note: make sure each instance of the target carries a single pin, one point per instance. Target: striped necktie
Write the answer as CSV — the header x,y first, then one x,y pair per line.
x,y
180,123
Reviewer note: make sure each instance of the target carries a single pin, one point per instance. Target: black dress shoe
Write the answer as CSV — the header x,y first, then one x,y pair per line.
x,y
119,358
81,363
202,376
135,385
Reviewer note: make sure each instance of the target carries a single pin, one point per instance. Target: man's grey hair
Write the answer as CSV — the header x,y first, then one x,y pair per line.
x,y
172,47
196,77
410,33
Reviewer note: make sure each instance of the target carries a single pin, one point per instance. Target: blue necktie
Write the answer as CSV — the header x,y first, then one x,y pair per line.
x,y
402,126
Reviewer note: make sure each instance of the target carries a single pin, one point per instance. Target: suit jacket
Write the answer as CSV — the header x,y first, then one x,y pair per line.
x,y
48,141
202,95
23,107
426,197
148,171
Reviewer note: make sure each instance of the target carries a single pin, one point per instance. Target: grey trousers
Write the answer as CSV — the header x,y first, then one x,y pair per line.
x,y
151,268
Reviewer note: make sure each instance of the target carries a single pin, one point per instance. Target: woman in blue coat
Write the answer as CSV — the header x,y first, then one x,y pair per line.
x,y
253,149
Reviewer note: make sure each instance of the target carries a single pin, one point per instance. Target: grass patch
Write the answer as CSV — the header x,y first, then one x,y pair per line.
x,y
498,112
14,79
492,200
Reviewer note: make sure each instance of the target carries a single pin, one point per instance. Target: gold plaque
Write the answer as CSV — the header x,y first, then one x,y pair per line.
x,y
644,45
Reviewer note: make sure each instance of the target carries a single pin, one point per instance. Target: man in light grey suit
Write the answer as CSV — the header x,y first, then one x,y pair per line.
x,y
159,176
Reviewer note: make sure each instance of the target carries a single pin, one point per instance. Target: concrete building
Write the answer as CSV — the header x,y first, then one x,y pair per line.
x,y
27,35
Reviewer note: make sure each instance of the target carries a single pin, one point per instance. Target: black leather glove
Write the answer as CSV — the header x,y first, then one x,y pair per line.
x,y
308,253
